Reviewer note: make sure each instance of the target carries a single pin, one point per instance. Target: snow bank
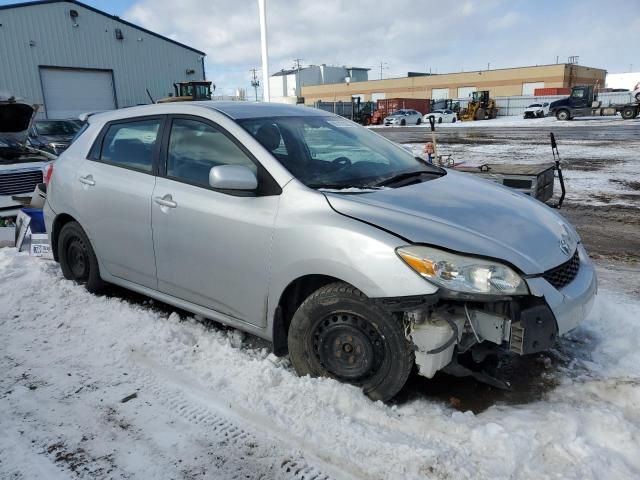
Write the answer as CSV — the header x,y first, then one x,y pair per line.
x,y
69,358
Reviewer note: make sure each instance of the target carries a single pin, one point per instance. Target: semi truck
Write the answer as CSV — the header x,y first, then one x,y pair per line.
x,y
583,102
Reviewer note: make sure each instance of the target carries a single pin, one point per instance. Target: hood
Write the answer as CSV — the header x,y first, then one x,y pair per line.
x,y
15,119
56,138
465,214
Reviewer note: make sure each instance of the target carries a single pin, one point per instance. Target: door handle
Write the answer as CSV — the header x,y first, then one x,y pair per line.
x,y
165,201
88,180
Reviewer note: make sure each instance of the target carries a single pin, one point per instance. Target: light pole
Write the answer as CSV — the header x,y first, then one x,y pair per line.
x,y
265,54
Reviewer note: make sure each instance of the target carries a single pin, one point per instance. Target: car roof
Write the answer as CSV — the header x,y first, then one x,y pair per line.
x,y
235,110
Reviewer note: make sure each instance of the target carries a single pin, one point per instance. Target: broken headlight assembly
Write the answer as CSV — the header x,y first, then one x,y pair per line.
x,y
460,273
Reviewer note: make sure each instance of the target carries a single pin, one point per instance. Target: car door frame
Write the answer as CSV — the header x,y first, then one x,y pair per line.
x,y
267,186
93,157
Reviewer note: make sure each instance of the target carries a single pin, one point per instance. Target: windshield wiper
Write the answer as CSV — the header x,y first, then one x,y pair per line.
x,y
403,176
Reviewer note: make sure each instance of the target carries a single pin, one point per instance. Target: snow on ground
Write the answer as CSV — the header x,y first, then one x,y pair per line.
x,y
595,173
519,121
98,387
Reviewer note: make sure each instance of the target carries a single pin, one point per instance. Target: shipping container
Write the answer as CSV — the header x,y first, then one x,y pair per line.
x,y
389,105
543,92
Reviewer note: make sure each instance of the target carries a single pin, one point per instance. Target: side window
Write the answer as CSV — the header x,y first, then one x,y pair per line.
x,y
195,147
131,144
579,93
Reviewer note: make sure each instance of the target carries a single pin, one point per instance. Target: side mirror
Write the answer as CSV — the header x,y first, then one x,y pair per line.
x,y
232,177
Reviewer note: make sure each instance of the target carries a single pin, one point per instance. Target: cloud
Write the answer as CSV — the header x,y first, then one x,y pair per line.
x,y
405,34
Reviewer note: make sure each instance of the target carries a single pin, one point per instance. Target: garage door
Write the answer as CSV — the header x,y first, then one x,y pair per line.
x,y
528,88
465,92
70,92
439,93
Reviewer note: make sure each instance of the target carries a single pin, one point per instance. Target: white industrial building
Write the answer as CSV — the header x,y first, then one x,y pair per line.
x,y
72,58
286,85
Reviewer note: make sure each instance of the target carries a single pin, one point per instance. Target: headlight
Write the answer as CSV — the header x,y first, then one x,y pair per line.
x,y
463,274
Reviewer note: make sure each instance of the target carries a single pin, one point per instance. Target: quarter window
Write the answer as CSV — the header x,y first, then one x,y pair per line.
x,y
195,147
131,144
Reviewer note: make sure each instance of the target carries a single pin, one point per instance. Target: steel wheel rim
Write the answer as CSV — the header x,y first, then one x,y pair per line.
x,y
77,259
348,346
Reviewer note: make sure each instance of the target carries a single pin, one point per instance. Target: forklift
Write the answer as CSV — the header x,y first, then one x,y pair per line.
x,y
189,91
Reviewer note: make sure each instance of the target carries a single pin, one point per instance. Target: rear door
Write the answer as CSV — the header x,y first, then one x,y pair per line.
x,y
116,185
212,247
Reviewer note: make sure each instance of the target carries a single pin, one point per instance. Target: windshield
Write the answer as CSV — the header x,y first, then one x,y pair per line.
x,y
399,112
330,152
57,127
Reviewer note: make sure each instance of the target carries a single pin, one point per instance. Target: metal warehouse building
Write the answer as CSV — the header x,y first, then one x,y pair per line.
x,y
499,82
72,58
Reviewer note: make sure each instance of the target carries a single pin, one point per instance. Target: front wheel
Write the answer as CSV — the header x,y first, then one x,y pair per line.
x,y
403,122
77,258
419,121
339,333
562,115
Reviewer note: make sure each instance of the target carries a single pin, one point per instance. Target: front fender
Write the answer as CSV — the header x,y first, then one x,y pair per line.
x,y
312,239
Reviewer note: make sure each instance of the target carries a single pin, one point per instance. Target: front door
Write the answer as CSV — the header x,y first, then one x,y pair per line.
x,y
580,102
212,247
117,182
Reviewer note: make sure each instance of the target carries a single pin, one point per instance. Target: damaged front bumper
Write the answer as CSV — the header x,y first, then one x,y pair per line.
x,y
443,325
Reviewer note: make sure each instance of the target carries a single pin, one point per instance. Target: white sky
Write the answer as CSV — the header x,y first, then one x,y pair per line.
x,y
406,35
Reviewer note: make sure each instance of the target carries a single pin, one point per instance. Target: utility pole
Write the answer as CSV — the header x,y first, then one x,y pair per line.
x,y
297,63
262,7
383,66
255,83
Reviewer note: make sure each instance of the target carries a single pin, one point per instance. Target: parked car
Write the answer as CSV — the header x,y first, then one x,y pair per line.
x,y
404,117
441,116
53,135
21,169
296,225
537,110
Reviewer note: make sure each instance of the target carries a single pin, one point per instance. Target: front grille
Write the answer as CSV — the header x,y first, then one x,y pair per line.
x,y
14,183
563,275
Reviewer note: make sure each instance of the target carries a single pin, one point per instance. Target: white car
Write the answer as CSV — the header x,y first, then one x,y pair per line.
x,y
441,116
404,117
537,110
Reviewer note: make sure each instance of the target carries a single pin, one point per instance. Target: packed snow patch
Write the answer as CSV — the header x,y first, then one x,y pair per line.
x,y
101,387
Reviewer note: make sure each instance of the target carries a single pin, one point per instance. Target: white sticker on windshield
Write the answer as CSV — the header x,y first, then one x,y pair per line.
x,y
341,123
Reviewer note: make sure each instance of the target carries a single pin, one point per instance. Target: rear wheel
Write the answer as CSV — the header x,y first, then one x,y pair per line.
x,y
339,333
562,115
77,258
480,114
419,121
629,112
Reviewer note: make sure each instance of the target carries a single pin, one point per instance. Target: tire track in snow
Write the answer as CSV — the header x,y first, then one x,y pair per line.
x,y
183,398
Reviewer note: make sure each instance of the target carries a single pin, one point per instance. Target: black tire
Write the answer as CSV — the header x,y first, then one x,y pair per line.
x,y
454,120
419,121
403,122
563,115
77,258
628,113
439,120
638,97
339,333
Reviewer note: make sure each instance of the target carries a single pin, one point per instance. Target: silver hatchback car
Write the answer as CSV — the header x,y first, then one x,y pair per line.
x,y
353,256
